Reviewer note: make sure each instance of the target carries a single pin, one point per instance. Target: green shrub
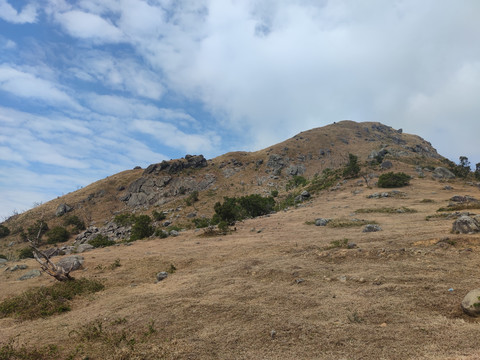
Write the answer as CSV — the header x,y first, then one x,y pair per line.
x,y
141,227
77,224
392,180
192,198
57,234
3,256
295,182
162,234
11,350
201,223
4,231
37,230
101,241
45,301
223,227
274,193
352,169
26,253
234,209
124,219
158,216
288,201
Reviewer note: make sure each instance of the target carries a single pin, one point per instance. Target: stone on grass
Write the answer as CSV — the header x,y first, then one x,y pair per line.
x,y
466,225
371,228
471,303
84,247
162,275
321,222
71,263
30,275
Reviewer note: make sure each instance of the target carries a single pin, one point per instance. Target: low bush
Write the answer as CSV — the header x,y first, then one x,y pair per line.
x,y
141,227
201,223
192,198
393,180
77,224
124,219
37,230
101,241
46,301
352,169
57,234
158,216
3,256
162,234
328,178
235,209
25,253
386,210
4,231
11,350
346,223
295,182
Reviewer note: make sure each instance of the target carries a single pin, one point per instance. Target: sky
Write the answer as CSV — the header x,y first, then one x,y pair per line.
x,y
89,88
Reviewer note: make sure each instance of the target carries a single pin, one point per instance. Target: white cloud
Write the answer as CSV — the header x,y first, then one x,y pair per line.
x,y
171,136
89,26
8,13
27,85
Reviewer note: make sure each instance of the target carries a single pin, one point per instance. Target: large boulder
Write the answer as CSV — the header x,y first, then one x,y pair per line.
x,y
30,275
62,209
471,303
441,173
466,225
71,263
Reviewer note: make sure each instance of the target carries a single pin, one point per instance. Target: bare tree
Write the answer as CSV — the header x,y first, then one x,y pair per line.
x,y
58,272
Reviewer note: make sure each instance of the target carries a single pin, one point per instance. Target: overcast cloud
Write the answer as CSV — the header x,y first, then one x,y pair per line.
x,y
92,87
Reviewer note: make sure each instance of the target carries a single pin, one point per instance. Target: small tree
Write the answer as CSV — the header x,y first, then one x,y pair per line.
x,y
57,234
477,171
4,231
352,169
142,228
391,180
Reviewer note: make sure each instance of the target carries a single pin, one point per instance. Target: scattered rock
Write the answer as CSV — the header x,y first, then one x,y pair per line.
x,y
62,209
386,165
471,303
273,334
173,233
30,275
51,252
192,215
17,267
3,261
351,245
84,247
161,276
466,225
371,228
441,173
167,223
447,187
175,166
321,222
296,169
71,263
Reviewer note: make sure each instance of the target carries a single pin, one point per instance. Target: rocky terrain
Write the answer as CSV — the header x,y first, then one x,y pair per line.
x,y
351,271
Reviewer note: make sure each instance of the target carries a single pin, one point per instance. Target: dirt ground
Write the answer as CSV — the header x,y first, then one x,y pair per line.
x,y
277,288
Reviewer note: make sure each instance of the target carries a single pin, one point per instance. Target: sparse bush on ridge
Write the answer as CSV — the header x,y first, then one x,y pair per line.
x,y
141,227
77,224
101,241
325,181
25,253
295,182
234,209
158,216
352,169
4,231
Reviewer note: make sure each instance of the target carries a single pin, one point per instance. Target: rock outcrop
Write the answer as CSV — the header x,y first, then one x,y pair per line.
x,y
466,225
175,166
441,173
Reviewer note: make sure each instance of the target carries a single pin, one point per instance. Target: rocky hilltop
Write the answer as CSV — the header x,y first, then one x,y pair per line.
x,y
165,186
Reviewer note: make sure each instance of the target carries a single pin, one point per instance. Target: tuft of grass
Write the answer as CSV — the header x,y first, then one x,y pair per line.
x,y
46,301
438,216
354,318
101,241
13,351
425,201
115,264
386,210
346,223
337,244
457,207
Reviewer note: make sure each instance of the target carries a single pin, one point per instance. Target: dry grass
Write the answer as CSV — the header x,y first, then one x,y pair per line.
x,y
386,299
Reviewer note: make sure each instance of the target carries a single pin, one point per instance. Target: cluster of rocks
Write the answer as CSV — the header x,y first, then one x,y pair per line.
x,y
62,209
175,166
466,225
158,190
305,195
111,230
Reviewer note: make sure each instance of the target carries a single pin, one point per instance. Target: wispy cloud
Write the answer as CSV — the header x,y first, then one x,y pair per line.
x,y
26,15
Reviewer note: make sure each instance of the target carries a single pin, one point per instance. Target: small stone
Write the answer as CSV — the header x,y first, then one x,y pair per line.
x,y
361,280
173,233
342,278
30,275
351,245
18,267
383,325
321,222
273,333
299,281
372,228
162,275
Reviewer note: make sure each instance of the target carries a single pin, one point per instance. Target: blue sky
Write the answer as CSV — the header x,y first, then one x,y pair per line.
x,y
89,88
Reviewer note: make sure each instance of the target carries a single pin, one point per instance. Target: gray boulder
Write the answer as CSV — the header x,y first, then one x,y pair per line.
x,y
321,222
71,263
3,261
371,228
466,225
62,209
17,267
441,173
296,169
84,247
471,303
173,233
30,275
161,276
387,164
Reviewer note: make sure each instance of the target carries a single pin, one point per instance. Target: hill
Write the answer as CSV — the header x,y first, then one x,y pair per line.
x,y
277,286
